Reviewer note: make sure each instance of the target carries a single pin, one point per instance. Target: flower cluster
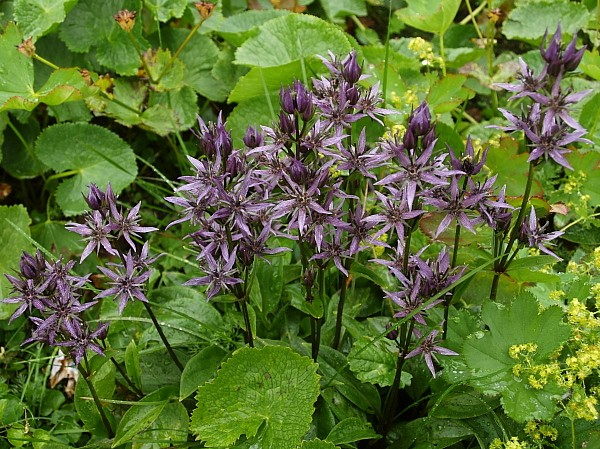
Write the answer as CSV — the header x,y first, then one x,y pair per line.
x,y
52,298
52,295
546,122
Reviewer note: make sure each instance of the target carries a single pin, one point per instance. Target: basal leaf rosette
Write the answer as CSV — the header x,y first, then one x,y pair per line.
x,y
266,395
508,359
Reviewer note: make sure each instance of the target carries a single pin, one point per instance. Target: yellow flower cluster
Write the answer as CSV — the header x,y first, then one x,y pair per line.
x,y
513,443
583,406
540,432
424,50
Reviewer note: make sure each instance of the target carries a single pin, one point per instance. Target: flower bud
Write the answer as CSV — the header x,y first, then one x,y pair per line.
x,y
234,164
126,19
27,47
298,171
205,9
352,95
420,120
351,71
30,266
253,138
286,100
286,123
392,334
95,197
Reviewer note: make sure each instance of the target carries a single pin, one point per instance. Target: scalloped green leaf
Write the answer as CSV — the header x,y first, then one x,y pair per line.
x,y
431,16
291,38
338,10
239,27
317,444
490,365
93,154
90,24
166,9
528,21
36,17
266,394
14,228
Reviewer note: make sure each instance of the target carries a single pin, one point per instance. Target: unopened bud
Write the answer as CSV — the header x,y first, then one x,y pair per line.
x,y
26,47
95,197
31,266
298,171
253,138
126,19
286,100
392,334
350,69
205,9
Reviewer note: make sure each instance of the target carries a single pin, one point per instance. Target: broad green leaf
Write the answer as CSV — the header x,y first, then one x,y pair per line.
x,y
186,316
338,10
103,379
259,82
447,93
490,365
291,38
528,21
169,74
53,236
169,429
93,153
14,232
350,430
237,28
266,394
590,119
432,16
586,171
590,65
132,364
425,433
200,369
158,370
164,10
140,416
90,24
257,112
11,410
268,284
374,361
36,17
16,83
463,402
179,106
335,370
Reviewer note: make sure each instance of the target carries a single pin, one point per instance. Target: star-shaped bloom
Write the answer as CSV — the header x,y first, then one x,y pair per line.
x,y
428,348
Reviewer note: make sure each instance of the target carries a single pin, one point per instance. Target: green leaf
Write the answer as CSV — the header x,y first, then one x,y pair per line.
x,y
179,106
374,361
317,444
291,38
447,93
16,82
335,370
238,28
142,415
36,17
463,402
490,365
255,113
259,82
132,364
14,228
590,65
53,236
160,66
350,430
200,369
432,16
169,429
90,24
94,153
164,10
19,156
185,314
268,284
103,379
528,21
266,394
338,10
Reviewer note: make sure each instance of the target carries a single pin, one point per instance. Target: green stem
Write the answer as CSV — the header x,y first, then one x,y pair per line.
x,y
141,55
45,61
503,263
471,17
386,57
244,304
94,393
163,337
340,312
180,49
443,54
316,343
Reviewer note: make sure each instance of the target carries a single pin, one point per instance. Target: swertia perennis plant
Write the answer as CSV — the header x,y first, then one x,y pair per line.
x,y
348,265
